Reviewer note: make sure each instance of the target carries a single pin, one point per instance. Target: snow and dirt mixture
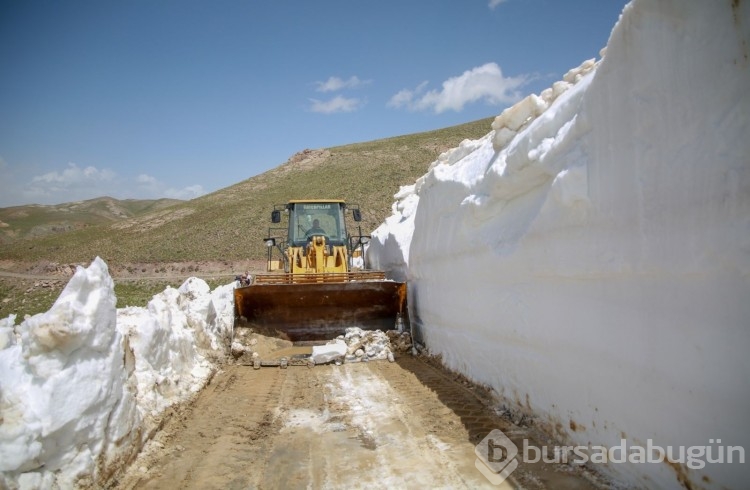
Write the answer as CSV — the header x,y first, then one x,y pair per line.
x,y
358,345
404,424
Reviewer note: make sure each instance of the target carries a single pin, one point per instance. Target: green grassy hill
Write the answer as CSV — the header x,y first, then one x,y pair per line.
x,y
229,224
34,221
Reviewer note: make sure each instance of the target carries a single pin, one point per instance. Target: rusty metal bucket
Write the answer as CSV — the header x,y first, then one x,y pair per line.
x,y
320,310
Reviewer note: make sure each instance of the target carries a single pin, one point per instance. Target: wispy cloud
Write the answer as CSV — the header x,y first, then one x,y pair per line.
x,y
334,84
76,183
73,176
484,82
405,97
82,182
151,186
189,192
494,3
146,180
337,104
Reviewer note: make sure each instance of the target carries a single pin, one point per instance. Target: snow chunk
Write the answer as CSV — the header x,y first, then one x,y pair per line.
x,y
516,116
63,388
513,119
322,354
366,345
7,333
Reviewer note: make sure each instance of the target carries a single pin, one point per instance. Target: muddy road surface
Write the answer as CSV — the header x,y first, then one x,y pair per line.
x,y
406,424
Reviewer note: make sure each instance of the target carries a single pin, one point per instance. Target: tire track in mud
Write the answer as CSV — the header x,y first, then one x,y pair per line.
x,y
213,442
368,425
377,424
458,413
431,390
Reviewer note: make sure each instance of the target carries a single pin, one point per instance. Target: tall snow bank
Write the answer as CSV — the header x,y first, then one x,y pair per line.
x,y
590,258
169,339
81,385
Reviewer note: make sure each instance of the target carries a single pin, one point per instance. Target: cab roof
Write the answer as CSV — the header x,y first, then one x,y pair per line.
x,y
295,201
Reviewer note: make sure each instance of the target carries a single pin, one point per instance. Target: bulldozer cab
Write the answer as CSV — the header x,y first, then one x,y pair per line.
x,y
308,219
316,239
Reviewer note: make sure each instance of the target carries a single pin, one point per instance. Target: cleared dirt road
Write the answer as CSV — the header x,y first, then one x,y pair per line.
x,y
377,425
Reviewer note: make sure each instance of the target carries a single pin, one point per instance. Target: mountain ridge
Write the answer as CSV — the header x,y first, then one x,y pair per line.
x,y
229,224
36,220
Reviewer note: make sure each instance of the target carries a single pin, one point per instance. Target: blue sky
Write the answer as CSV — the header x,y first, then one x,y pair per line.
x,y
178,98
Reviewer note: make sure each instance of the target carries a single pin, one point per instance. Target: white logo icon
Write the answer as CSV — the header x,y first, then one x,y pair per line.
x,y
496,457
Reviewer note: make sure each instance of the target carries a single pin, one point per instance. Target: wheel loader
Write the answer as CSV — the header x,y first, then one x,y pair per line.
x,y
319,285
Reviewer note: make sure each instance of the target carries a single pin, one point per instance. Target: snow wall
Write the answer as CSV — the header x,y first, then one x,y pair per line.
x,y
83,386
589,258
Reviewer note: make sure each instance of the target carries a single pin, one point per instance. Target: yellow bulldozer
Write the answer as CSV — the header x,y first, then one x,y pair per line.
x,y
317,283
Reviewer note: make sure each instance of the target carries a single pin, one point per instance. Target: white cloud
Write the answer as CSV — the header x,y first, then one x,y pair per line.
x,y
148,186
337,104
334,84
495,3
153,189
73,182
484,82
146,180
406,97
189,192
73,176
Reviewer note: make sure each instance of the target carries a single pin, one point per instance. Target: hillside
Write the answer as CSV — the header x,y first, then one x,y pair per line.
x,y
230,223
33,221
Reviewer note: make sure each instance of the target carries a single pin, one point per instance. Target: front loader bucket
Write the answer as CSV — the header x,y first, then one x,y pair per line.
x,y
320,311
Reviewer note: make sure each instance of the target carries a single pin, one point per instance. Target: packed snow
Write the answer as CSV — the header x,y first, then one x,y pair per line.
x,y
83,385
589,258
